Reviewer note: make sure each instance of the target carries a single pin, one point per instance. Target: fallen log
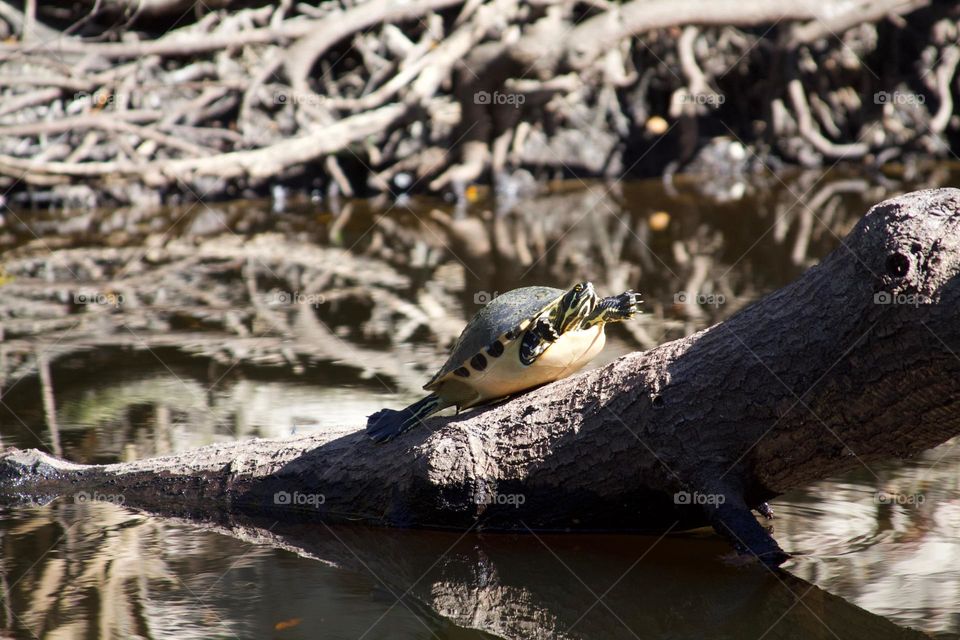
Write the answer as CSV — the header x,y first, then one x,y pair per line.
x,y
854,362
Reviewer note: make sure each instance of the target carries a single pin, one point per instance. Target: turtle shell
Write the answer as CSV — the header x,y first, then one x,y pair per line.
x,y
503,313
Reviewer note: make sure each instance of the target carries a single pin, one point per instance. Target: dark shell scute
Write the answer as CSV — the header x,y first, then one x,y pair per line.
x,y
463,372
478,362
495,349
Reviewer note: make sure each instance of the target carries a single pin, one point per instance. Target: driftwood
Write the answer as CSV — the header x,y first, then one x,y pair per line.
x,y
852,363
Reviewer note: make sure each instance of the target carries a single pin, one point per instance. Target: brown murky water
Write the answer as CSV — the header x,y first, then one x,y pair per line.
x,y
877,550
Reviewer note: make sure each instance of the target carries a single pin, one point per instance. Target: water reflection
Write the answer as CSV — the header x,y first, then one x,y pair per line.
x,y
98,571
385,289
113,574
151,409
886,540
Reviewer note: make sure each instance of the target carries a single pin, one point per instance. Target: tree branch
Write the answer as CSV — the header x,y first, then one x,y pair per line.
x,y
589,39
302,56
256,163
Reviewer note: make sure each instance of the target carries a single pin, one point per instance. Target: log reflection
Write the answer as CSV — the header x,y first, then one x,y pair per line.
x,y
133,580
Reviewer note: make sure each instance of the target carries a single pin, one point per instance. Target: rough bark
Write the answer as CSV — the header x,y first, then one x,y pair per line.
x,y
817,378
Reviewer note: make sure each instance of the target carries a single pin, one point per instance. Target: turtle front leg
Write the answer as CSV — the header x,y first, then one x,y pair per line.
x,y
614,309
540,335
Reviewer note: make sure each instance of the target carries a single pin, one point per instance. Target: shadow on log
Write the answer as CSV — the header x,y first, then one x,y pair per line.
x,y
852,363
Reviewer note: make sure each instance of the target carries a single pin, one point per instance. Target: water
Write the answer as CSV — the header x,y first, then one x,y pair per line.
x,y
182,361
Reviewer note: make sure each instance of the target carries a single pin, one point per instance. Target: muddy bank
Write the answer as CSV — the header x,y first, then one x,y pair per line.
x,y
121,103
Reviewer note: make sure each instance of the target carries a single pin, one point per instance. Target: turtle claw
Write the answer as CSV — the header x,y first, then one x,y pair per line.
x,y
615,309
732,520
765,510
630,302
387,424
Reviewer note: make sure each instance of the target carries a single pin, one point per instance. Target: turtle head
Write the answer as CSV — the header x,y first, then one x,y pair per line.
x,y
574,307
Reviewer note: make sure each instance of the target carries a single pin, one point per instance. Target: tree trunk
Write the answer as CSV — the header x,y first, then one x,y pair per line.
x,y
852,363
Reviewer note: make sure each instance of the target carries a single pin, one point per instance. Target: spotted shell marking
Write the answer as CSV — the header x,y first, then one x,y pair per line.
x,y
501,322
480,361
507,374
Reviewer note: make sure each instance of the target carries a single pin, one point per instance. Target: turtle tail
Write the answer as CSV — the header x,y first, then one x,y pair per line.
x,y
387,424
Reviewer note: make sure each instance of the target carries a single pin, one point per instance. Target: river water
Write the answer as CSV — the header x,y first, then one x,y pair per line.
x,y
161,353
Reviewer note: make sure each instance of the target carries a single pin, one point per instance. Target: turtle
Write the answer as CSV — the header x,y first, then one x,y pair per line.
x,y
519,340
